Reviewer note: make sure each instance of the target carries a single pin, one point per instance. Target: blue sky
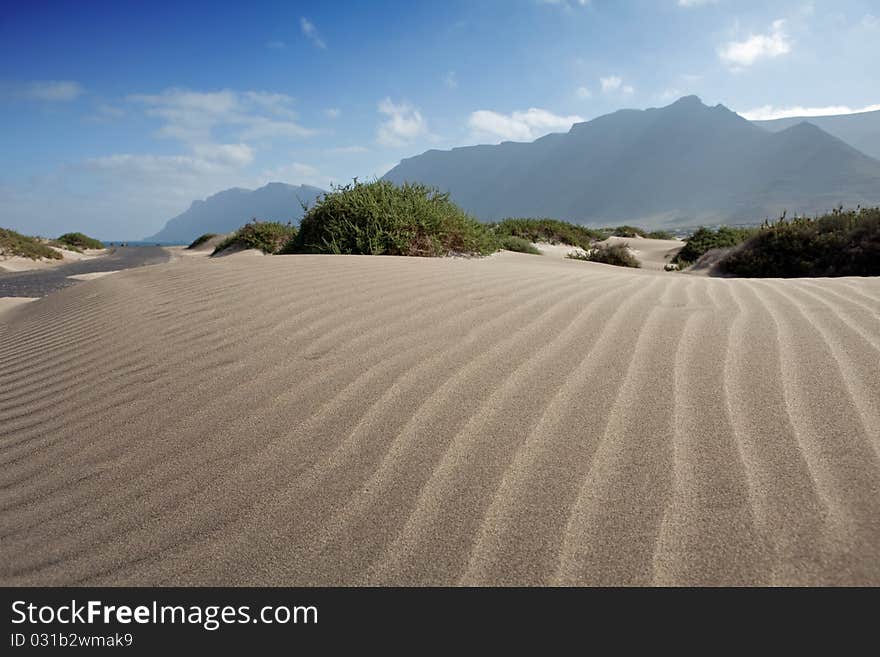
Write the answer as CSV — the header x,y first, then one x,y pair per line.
x,y
116,115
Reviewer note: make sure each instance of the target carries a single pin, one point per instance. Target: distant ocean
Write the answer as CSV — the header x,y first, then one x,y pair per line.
x,y
141,243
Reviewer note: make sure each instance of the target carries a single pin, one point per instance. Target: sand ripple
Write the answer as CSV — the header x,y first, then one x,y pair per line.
x,y
509,420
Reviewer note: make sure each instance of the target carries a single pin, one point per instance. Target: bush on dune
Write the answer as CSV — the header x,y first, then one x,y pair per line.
x,y
13,243
705,239
843,243
660,235
518,244
267,236
547,230
609,254
627,231
381,218
201,239
78,242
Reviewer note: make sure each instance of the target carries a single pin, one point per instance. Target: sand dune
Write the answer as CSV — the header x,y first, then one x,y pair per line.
x,y
19,263
651,253
507,420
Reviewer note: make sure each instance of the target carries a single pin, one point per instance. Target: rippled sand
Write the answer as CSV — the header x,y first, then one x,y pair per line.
x,y
508,420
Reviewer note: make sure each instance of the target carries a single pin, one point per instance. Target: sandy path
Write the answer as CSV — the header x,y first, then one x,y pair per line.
x,y
508,420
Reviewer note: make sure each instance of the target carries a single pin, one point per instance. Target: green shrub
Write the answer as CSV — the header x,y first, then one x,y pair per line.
x,y
16,244
609,254
704,239
627,231
518,244
267,236
201,239
547,230
381,218
843,243
660,235
78,241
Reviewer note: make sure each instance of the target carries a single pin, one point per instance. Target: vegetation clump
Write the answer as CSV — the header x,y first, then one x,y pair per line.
x,y
201,239
78,242
705,239
518,244
842,243
267,236
660,235
627,231
381,218
13,243
609,254
547,230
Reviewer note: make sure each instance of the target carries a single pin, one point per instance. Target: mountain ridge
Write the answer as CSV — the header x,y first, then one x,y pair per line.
x,y
680,164
228,209
861,130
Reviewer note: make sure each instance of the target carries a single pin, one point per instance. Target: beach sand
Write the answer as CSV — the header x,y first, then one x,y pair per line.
x,y
18,263
513,420
11,302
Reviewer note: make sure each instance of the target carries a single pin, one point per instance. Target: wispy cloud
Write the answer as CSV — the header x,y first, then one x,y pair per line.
x,y
519,126
347,150
566,4
165,169
404,124
450,79
311,33
297,173
768,112
192,116
332,112
741,54
583,93
50,91
276,44
614,84
696,3
105,113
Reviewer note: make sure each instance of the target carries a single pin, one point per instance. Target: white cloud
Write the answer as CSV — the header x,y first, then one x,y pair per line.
x,y
519,126
347,150
696,3
870,21
404,124
583,93
740,54
614,83
768,112
450,80
204,159
567,4
236,155
332,112
52,91
670,94
105,113
192,116
311,33
259,127
296,173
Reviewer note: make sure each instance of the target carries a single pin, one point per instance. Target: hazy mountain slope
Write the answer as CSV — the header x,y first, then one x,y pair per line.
x,y
680,164
861,131
227,210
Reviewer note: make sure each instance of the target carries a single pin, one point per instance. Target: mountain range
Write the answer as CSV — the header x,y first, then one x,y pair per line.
x,y
683,164
679,165
861,130
228,210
